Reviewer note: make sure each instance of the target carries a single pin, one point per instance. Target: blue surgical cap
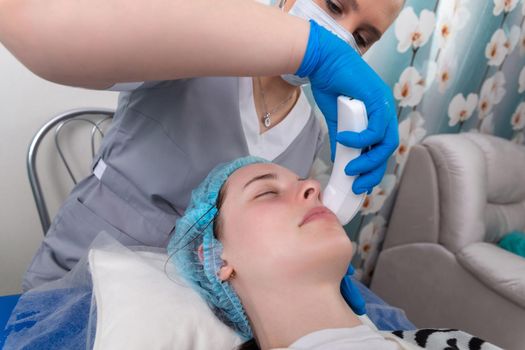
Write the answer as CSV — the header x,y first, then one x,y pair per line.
x,y
194,228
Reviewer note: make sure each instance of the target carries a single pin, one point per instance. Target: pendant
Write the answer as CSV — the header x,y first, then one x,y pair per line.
x,y
266,120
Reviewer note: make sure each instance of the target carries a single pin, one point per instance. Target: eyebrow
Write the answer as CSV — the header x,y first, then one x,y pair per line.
x,y
353,5
272,176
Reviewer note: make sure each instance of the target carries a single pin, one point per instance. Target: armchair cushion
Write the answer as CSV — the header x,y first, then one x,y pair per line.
x,y
480,187
497,268
462,185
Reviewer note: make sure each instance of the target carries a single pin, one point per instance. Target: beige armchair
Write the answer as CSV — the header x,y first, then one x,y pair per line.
x,y
458,195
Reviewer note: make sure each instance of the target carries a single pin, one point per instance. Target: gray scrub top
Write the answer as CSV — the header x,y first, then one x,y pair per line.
x,y
164,140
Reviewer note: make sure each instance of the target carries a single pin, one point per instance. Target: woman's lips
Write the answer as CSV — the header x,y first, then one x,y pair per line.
x,y
317,213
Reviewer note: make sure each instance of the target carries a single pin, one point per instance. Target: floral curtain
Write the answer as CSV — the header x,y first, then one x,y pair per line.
x,y
454,66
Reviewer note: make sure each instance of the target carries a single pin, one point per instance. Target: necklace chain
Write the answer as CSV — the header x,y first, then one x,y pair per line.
x,y
267,121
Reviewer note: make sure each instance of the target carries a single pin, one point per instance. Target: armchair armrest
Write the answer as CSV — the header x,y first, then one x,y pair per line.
x,y
498,269
415,216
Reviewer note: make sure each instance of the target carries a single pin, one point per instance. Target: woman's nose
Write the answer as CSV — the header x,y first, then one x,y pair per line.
x,y
310,190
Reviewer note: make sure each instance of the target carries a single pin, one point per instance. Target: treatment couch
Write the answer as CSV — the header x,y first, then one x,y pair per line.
x,y
458,195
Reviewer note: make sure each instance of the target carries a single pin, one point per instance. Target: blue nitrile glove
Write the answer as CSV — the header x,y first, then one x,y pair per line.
x,y
351,294
335,68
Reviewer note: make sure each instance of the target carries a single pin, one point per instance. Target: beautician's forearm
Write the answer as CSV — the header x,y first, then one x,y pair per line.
x,y
95,43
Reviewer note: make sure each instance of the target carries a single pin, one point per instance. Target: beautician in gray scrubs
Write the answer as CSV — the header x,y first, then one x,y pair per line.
x,y
197,105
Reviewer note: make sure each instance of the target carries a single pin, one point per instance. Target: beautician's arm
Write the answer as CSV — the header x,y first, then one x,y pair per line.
x,y
95,43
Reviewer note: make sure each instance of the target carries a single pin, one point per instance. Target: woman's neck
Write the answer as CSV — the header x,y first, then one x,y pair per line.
x,y
280,315
276,90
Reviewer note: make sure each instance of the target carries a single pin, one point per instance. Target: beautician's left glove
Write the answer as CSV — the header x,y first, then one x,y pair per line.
x,y
334,68
351,294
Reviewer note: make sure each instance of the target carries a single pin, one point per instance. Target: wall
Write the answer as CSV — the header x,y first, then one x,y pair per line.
x,y
26,103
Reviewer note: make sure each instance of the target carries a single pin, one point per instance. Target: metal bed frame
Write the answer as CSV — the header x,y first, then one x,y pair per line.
x,y
58,123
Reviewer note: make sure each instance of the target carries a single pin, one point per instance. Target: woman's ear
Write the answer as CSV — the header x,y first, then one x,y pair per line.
x,y
226,272
200,252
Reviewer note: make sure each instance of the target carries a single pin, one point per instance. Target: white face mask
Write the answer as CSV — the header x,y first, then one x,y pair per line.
x,y
307,9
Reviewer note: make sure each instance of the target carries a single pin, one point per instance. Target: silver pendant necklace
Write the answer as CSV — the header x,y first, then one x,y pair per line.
x,y
267,120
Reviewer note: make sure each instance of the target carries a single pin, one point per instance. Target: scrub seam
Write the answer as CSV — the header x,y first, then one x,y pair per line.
x,y
163,128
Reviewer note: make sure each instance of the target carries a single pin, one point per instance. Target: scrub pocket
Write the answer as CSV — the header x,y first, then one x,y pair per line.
x,y
88,220
118,203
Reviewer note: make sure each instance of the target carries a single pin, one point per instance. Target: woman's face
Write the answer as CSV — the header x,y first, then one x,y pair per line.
x,y
275,229
367,20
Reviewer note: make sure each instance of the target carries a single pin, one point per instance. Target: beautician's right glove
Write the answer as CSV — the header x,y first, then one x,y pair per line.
x,y
335,68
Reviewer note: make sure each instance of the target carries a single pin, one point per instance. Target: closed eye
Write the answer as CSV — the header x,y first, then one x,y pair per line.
x,y
265,193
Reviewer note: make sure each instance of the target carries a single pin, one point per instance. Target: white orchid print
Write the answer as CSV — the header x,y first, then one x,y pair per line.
x,y
521,81
460,12
445,30
411,132
518,118
513,39
459,8
496,87
485,105
402,152
497,48
492,93
460,109
487,125
453,16
413,31
446,68
504,6
412,128
371,235
410,88
374,201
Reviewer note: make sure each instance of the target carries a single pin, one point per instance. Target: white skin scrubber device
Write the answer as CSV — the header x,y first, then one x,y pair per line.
x,y
338,195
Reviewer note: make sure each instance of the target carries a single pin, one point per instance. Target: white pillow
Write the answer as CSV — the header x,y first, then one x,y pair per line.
x,y
139,307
